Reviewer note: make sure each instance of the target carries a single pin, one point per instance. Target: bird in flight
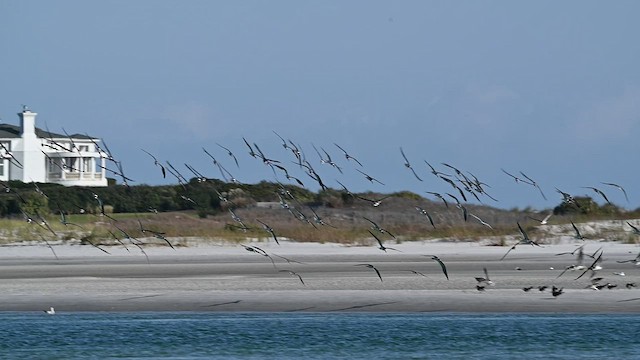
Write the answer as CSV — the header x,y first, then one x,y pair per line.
x,y
293,273
535,184
230,154
578,235
567,198
251,152
619,187
437,259
372,267
157,163
599,192
375,202
347,156
270,230
439,196
407,164
517,179
525,240
425,213
380,245
635,229
434,171
544,221
593,265
369,177
481,221
378,228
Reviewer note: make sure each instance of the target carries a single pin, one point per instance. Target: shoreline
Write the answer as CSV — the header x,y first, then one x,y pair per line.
x,y
227,278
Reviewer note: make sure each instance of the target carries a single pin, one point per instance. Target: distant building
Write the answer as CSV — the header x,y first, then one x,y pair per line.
x,y
30,154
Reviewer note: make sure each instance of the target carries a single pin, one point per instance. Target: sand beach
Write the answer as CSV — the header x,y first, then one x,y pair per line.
x,y
205,276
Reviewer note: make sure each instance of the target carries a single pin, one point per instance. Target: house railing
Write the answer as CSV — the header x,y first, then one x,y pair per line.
x,y
74,176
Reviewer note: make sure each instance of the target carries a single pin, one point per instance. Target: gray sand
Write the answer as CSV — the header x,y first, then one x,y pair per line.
x,y
229,278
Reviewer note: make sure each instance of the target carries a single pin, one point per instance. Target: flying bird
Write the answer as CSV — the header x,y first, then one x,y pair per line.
x,y
257,250
369,177
482,221
619,187
375,202
347,156
425,213
270,230
635,229
380,245
578,235
230,154
592,267
439,196
371,267
544,221
157,163
407,164
525,240
535,184
434,171
293,273
437,259
599,192
517,179
251,152
378,228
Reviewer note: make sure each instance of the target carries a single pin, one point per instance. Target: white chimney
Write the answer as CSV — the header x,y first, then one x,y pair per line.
x,y
27,122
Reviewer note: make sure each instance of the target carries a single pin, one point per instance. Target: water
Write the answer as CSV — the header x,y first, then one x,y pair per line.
x,y
161,335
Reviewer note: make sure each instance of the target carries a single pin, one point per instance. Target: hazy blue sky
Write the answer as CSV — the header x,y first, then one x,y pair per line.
x,y
550,88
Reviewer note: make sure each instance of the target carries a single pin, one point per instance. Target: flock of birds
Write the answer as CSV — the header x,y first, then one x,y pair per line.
x,y
464,187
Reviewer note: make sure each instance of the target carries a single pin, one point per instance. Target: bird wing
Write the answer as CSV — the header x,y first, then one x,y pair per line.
x,y
444,268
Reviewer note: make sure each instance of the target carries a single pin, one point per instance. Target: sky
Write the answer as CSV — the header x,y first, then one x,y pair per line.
x,y
548,88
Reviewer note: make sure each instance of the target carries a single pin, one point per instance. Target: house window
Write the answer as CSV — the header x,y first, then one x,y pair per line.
x,y
2,168
83,148
70,164
86,165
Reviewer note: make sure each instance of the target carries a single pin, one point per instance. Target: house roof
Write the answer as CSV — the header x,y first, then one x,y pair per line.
x,y
8,131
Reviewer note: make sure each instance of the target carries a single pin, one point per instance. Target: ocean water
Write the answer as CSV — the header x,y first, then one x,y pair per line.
x,y
162,335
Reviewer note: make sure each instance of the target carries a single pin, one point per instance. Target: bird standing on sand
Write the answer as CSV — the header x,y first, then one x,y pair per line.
x,y
556,291
485,279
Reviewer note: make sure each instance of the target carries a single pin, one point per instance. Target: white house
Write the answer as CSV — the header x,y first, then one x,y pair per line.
x,y
30,154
